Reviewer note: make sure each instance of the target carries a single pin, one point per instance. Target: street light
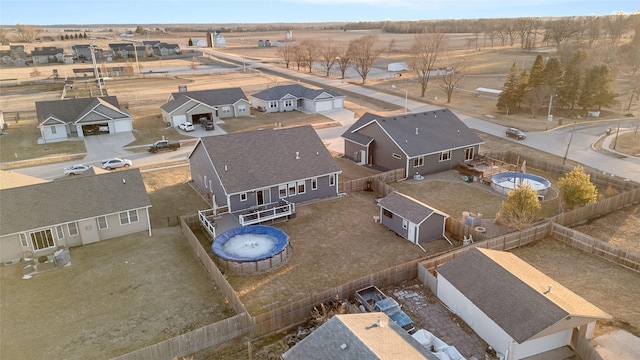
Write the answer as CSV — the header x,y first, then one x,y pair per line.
x,y
549,116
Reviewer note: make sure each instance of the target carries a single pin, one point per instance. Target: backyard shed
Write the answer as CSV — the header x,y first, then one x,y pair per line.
x,y
411,219
397,66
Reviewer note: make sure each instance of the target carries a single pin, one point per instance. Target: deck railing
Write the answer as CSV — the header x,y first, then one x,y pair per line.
x,y
206,219
270,213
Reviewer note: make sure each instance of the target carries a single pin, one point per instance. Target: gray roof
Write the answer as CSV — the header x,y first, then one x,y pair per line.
x,y
214,97
71,110
408,207
296,90
263,158
33,206
511,293
357,337
437,131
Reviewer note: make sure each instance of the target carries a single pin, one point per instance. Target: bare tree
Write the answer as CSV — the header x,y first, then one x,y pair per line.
x,y
424,55
343,59
27,33
309,52
364,54
3,34
561,30
616,25
328,55
390,46
298,56
452,78
285,52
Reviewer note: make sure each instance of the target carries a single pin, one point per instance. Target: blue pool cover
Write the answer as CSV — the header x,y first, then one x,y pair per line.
x,y
282,240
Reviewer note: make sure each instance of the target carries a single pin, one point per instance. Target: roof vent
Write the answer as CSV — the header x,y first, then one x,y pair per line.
x,y
378,322
548,290
225,168
416,131
297,155
317,153
124,181
343,346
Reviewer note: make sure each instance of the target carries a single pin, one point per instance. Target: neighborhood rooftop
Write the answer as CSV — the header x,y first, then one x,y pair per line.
x,y
212,97
408,207
297,90
72,109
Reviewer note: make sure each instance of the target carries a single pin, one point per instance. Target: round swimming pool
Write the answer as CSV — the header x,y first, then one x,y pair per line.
x,y
249,250
507,181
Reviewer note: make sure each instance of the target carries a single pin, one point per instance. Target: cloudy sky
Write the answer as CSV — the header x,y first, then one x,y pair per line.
x,y
62,12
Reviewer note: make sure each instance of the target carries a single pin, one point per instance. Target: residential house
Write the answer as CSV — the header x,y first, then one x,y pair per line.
x,y
17,52
82,52
205,105
60,119
411,219
365,336
47,54
127,50
423,143
518,310
78,211
297,97
250,169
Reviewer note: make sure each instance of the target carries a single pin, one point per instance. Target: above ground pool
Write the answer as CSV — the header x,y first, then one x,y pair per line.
x,y
251,249
507,181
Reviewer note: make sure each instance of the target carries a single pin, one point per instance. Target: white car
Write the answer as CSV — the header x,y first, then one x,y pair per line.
x,y
76,169
186,126
114,163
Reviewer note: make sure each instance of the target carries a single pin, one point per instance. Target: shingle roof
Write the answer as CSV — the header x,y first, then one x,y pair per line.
x,y
296,90
357,337
437,131
408,207
511,292
262,158
214,97
71,110
33,206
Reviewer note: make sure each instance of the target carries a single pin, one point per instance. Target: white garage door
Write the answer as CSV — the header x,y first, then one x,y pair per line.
x,y
324,105
122,125
179,119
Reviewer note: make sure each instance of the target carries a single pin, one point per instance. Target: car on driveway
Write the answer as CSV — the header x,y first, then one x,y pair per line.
x,y
186,126
76,169
515,133
208,125
115,163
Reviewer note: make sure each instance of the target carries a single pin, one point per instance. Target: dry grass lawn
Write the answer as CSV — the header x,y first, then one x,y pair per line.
x,y
619,228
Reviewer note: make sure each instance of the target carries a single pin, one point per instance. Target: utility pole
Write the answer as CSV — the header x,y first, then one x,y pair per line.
x,y
564,161
93,49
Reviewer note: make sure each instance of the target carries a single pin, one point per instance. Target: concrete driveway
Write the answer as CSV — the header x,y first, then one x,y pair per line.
x,y
100,147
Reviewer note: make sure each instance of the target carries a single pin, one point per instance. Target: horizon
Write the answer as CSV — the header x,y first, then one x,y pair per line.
x,y
174,12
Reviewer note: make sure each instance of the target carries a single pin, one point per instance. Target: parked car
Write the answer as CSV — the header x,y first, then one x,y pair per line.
x,y
515,133
161,145
114,163
186,126
76,169
208,125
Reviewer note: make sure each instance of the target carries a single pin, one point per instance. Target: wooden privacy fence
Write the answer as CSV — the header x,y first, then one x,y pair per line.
x,y
596,247
378,183
599,208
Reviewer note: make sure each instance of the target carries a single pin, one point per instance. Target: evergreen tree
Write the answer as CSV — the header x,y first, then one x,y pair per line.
x,y
521,207
569,90
190,42
536,74
522,86
552,73
506,100
596,88
576,188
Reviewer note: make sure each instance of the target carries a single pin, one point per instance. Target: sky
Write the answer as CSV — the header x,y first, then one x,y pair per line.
x,y
95,12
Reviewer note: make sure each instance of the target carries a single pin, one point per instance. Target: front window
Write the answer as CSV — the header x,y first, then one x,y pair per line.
x,y
54,130
288,103
23,240
419,161
73,229
301,187
445,155
292,189
60,232
282,190
226,110
242,108
42,239
469,154
102,222
128,217
273,104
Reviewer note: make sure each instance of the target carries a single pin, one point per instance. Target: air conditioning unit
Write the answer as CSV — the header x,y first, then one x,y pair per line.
x,y
11,262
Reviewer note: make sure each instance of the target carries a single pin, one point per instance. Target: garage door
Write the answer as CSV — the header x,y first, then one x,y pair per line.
x,y
324,105
179,119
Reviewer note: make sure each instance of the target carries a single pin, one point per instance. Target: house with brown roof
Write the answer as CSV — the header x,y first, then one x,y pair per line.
x,y
411,219
77,211
59,120
205,105
365,336
423,143
262,168
297,97
511,305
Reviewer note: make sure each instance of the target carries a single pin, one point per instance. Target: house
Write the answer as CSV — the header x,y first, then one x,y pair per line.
x,y
58,120
297,97
515,308
250,169
411,219
83,51
127,50
46,54
365,336
422,144
77,211
201,105
164,49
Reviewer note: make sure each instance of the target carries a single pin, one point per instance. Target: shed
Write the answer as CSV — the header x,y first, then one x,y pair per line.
x,y
411,219
397,66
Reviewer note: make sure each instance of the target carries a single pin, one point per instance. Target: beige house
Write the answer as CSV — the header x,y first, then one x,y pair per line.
x,y
205,105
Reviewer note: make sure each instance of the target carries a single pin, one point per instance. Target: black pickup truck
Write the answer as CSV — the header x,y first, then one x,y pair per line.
x,y
161,145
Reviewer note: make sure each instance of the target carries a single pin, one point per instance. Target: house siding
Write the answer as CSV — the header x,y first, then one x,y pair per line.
x,y
48,135
382,149
201,169
433,165
432,228
351,150
11,249
395,223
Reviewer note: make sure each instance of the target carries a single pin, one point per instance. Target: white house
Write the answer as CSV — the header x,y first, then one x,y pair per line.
x,y
297,97
512,306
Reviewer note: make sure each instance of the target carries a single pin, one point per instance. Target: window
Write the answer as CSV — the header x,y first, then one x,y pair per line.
x,y
469,154
242,108
445,155
419,161
387,213
54,130
42,239
23,240
314,184
128,217
226,110
301,187
60,232
405,224
292,189
288,103
282,190
243,197
102,222
73,229
273,104
397,156
332,180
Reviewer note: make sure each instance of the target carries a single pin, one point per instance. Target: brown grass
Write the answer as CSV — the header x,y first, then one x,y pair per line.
x,y
619,228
